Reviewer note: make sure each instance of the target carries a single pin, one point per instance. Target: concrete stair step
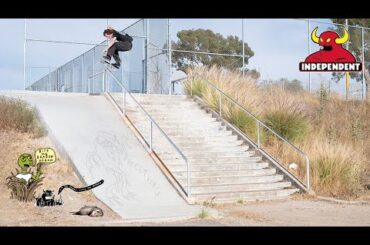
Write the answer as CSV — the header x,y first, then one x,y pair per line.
x,y
203,148
229,197
174,111
190,129
227,180
176,137
157,101
164,109
154,97
185,143
160,102
214,189
189,124
159,96
171,106
175,106
216,145
204,155
249,172
214,160
167,116
183,127
159,138
140,116
181,167
185,132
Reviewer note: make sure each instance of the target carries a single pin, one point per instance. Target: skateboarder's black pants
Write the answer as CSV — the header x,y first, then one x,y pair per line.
x,y
118,46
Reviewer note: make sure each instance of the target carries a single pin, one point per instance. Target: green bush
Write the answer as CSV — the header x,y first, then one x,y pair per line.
x,y
335,175
241,120
203,214
291,126
197,87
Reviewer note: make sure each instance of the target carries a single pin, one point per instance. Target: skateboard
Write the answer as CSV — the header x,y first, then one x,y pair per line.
x,y
108,64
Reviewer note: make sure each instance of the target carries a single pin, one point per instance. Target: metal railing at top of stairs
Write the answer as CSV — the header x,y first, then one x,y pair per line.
x,y
259,124
152,122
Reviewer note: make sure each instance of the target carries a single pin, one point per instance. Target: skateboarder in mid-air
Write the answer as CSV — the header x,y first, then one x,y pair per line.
x,y
116,42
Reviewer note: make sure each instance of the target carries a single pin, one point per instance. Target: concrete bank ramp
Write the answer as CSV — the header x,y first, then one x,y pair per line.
x,y
101,146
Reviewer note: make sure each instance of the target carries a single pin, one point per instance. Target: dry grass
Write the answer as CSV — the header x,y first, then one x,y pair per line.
x,y
334,133
336,168
20,189
19,116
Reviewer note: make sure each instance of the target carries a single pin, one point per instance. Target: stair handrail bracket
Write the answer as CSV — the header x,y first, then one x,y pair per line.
x,y
126,92
222,95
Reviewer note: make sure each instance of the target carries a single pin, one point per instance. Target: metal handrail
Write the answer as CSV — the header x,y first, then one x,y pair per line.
x,y
152,121
259,123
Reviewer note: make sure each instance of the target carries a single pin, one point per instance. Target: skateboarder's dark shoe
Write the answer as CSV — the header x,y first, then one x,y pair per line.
x,y
117,58
116,65
106,58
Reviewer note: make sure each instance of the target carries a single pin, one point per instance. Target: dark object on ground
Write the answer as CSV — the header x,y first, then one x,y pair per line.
x,y
92,211
86,188
47,199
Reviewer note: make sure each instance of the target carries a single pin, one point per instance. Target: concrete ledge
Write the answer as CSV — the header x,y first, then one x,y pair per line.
x,y
44,93
340,201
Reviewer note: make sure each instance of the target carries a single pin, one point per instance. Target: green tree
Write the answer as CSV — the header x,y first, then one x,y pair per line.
x,y
202,40
355,46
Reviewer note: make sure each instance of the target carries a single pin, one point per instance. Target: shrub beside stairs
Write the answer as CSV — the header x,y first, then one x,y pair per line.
x,y
223,167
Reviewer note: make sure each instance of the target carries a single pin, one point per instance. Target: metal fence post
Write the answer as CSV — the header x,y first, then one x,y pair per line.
x,y
363,65
191,86
220,102
147,55
82,70
243,46
188,178
103,81
124,102
169,57
258,135
24,53
309,52
151,135
107,83
49,82
73,76
93,72
143,86
308,172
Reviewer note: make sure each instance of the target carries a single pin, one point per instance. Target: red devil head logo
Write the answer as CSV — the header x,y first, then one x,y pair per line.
x,y
331,48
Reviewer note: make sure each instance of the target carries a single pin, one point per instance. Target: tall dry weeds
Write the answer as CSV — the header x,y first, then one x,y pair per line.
x,y
336,133
16,114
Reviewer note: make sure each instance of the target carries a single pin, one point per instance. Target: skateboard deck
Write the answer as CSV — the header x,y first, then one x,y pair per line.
x,y
108,64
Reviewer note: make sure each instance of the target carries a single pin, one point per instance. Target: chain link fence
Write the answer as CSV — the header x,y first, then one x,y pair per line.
x,y
278,45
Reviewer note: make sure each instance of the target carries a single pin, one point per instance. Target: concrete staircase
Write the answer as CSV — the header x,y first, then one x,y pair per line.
x,y
223,168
